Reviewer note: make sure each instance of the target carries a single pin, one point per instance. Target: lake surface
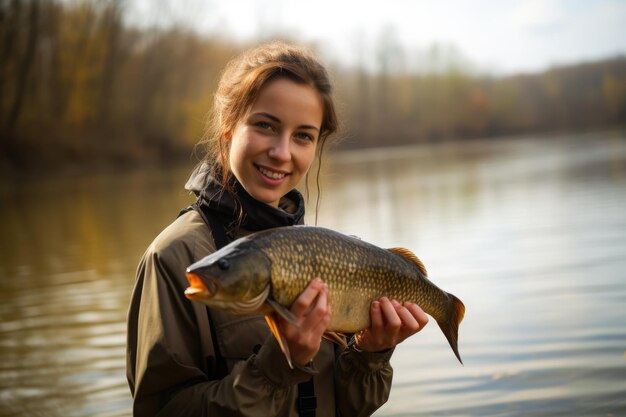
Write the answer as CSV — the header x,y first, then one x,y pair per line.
x,y
529,232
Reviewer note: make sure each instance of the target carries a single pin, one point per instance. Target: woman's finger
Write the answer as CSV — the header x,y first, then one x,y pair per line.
x,y
376,316
410,323
318,310
303,303
417,312
390,316
321,326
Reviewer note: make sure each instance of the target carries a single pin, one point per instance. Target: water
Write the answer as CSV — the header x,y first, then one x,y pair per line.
x,y
530,233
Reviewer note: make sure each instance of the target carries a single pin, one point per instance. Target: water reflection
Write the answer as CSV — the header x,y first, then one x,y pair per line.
x,y
68,252
530,233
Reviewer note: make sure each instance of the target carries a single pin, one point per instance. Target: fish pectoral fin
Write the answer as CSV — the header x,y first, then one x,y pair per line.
x,y
335,337
283,311
271,322
408,255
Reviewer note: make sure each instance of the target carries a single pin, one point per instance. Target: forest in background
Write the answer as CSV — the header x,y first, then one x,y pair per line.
x,y
79,87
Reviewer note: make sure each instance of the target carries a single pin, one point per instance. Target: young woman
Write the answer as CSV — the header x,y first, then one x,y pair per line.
x,y
273,112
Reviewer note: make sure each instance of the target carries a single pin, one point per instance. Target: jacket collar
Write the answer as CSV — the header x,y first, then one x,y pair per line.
x,y
241,209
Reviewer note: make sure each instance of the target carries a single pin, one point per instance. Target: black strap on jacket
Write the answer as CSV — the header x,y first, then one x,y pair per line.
x,y
307,401
220,237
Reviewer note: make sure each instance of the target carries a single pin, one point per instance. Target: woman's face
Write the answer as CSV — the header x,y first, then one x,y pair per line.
x,y
273,145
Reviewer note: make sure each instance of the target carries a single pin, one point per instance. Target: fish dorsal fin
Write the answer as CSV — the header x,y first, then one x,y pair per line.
x,y
407,254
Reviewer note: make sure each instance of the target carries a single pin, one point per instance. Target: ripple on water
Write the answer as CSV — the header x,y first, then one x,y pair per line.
x,y
529,233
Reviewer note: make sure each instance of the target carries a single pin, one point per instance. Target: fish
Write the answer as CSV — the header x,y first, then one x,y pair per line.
x,y
264,272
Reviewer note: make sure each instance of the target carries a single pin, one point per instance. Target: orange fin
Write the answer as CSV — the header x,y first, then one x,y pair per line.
x,y
407,254
271,322
282,311
335,338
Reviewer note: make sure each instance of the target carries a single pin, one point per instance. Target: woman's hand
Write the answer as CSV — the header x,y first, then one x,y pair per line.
x,y
313,313
391,323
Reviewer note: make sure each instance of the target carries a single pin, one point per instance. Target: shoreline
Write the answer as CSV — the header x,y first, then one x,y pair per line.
x,y
108,162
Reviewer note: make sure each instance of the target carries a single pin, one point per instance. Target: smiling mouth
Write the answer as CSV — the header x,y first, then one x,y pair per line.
x,y
275,175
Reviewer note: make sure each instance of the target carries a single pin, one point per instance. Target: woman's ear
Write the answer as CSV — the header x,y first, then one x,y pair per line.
x,y
228,135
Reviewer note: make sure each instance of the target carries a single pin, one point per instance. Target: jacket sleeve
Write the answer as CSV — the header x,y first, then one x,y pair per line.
x,y
362,381
169,359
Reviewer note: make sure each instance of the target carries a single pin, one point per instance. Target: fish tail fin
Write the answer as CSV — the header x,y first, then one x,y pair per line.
x,y
450,324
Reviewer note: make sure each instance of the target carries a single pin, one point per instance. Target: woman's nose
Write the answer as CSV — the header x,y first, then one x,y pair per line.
x,y
280,148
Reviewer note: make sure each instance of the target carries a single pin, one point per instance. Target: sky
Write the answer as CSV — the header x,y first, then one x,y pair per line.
x,y
491,36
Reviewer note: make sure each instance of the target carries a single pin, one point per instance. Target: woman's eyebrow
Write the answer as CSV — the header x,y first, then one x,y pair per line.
x,y
277,120
268,115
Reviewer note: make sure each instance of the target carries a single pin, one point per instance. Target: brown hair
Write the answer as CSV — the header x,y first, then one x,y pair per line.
x,y
240,85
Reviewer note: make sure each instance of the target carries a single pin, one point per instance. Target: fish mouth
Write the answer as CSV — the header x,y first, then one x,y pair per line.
x,y
198,289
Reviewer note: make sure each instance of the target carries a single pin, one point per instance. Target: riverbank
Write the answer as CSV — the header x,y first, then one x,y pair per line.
x,y
23,160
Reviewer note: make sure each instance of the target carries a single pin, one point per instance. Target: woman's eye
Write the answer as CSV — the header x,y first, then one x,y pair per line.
x,y
263,125
305,136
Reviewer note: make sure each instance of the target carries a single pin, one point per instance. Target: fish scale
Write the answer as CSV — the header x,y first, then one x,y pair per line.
x,y
286,259
346,265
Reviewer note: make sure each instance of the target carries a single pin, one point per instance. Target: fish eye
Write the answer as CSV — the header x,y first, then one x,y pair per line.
x,y
223,264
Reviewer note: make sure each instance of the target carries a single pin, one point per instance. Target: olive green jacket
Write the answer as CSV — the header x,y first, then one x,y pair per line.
x,y
171,364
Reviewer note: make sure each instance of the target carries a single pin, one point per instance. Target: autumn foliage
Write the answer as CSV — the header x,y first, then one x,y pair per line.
x,y
78,86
